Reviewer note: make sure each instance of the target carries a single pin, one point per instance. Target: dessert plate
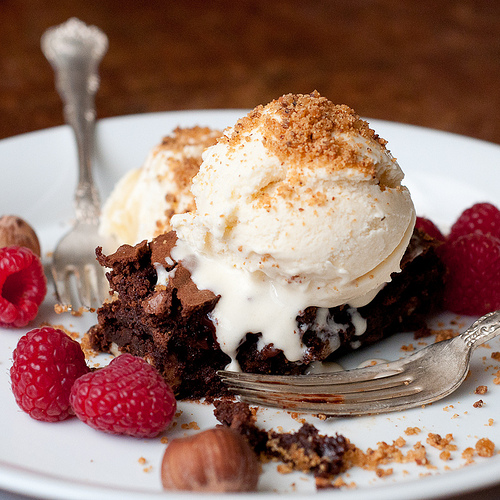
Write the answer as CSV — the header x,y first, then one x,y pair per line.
x,y
445,173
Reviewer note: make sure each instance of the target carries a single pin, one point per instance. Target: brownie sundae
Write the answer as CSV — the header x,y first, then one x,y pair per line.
x,y
301,247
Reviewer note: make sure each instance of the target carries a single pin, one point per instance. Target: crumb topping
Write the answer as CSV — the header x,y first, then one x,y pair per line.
x,y
302,129
485,447
182,137
184,147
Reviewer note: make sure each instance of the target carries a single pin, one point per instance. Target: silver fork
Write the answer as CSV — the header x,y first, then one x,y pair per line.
x,y
75,50
422,378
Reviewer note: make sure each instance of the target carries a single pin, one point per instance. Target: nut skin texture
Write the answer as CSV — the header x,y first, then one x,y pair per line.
x,y
215,460
14,231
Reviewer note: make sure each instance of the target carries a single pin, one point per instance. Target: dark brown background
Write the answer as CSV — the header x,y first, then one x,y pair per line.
x,y
430,63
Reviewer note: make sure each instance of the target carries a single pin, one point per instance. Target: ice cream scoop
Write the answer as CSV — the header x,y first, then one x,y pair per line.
x,y
299,204
144,199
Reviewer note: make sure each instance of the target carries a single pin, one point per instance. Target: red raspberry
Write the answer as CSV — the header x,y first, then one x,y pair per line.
x,y
480,218
46,364
427,226
473,283
127,397
22,286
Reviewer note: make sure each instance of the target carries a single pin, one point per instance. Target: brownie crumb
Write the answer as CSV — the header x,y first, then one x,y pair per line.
x,y
468,455
411,431
478,404
485,447
408,348
441,443
481,389
305,450
446,334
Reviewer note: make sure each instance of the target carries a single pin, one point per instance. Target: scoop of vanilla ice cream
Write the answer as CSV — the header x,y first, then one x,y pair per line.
x,y
144,199
303,193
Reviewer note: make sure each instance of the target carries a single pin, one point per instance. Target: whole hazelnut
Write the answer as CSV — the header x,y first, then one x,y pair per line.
x,y
217,459
15,231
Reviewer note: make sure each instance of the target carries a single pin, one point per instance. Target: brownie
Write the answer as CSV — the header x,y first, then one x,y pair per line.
x,y
170,327
305,450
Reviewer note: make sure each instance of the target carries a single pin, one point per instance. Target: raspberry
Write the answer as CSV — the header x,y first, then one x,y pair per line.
x,y
427,226
480,218
126,397
473,283
22,286
46,364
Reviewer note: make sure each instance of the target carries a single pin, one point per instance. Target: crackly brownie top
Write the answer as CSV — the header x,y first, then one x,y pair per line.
x,y
148,256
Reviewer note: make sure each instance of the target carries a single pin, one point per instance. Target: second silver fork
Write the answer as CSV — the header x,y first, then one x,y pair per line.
x,y
75,50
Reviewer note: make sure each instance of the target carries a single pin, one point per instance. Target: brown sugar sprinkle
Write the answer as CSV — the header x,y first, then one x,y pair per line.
x,y
444,334
408,348
411,431
383,472
385,454
338,483
59,309
284,468
441,443
400,442
485,447
182,169
321,416
297,416
182,137
481,389
468,454
306,131
191,425
418,454
87,348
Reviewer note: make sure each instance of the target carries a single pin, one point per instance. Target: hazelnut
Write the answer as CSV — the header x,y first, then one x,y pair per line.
x,y
217,459
15,231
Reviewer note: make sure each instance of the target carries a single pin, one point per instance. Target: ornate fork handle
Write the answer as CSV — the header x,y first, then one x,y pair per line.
x,y
482,330
75,50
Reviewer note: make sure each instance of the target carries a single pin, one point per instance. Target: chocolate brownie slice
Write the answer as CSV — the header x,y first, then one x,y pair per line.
x,y
305,450
170,325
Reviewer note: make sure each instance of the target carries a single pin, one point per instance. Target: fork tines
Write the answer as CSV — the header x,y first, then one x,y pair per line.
x,y
80,287
348,392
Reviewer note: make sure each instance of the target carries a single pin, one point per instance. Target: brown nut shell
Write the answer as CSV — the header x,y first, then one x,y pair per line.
x,y
217,460
16,231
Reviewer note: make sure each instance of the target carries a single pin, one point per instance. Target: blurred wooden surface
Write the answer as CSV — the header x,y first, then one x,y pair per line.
x,y
430,63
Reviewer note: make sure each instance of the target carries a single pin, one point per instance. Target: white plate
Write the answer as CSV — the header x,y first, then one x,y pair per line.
x,y
69,460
